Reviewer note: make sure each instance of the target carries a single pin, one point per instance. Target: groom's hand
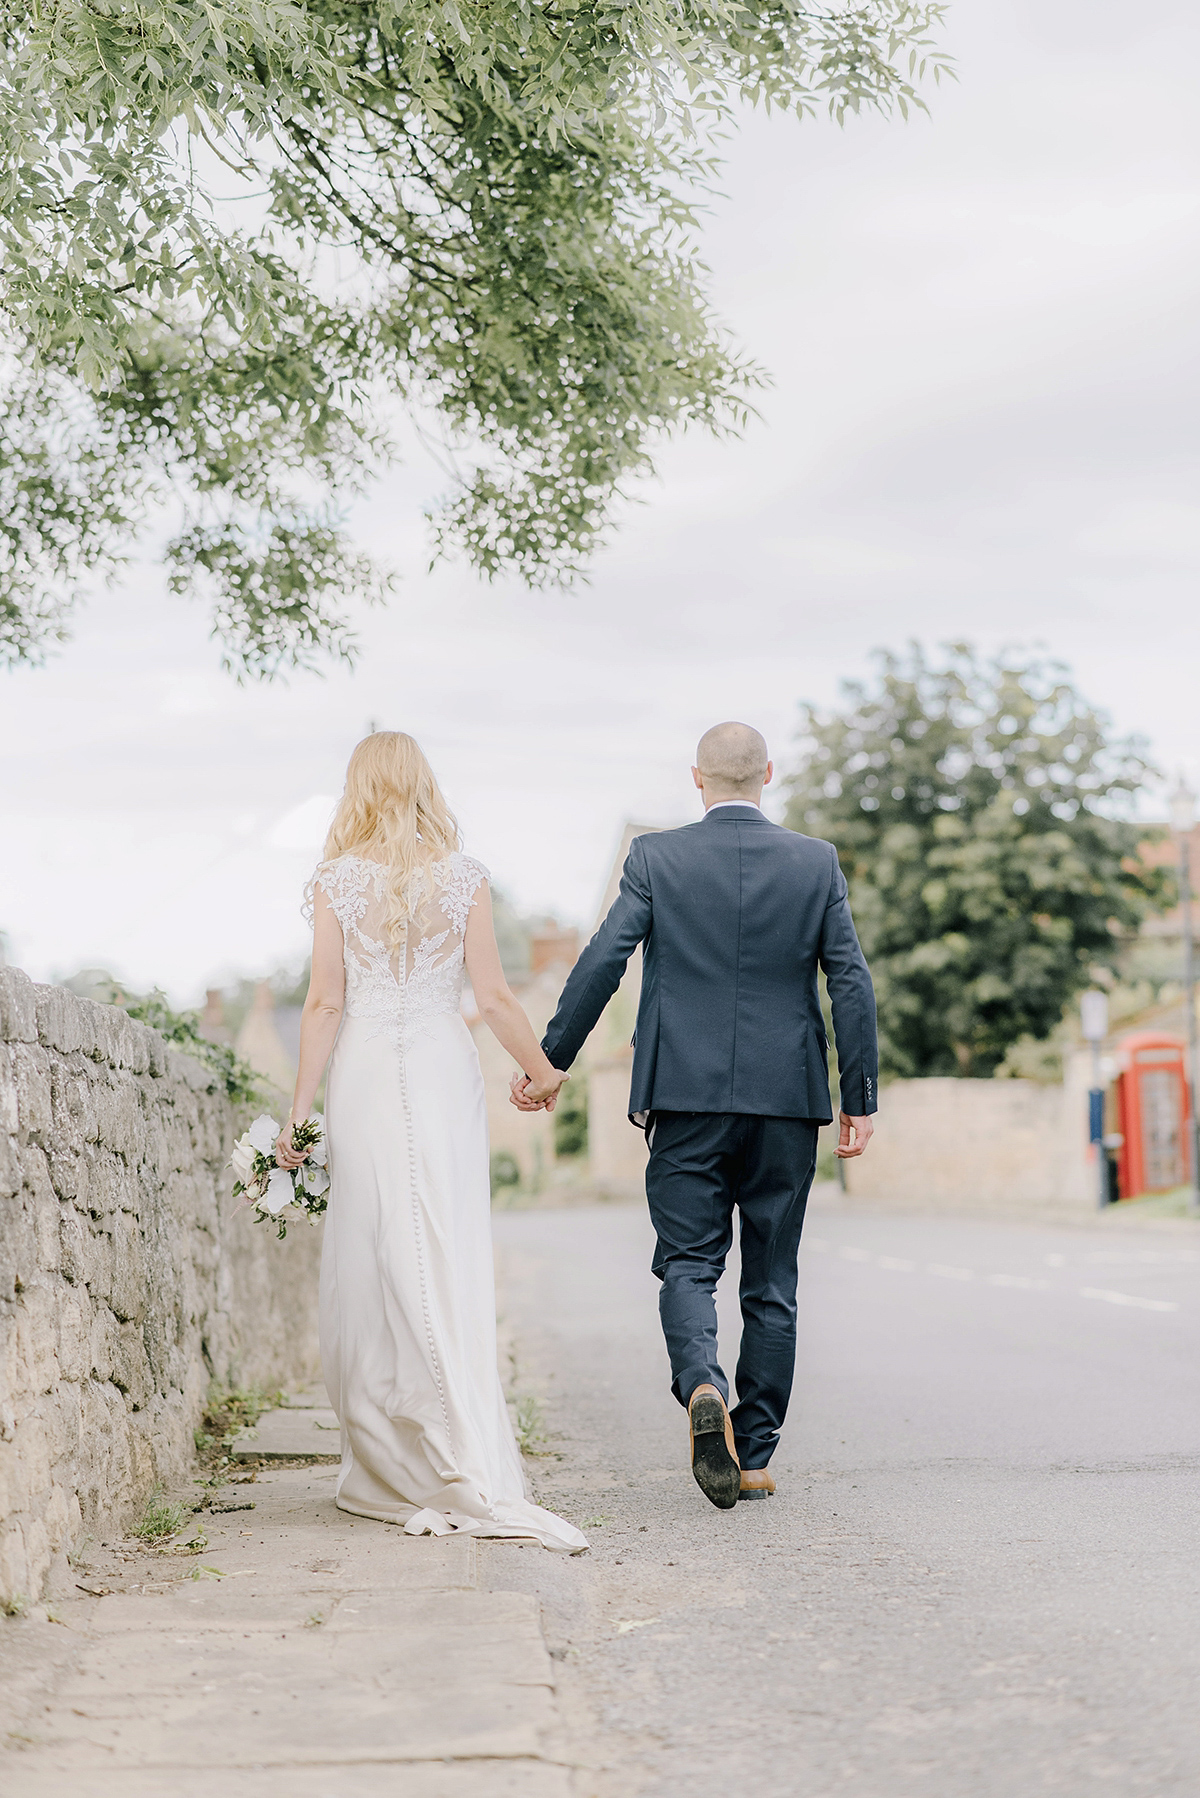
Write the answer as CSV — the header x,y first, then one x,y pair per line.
x,y
853,1136
519,1095
522,1093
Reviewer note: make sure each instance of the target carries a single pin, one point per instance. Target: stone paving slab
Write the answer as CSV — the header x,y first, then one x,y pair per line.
x,y
478,1779
296,1538
306,1398
300,1651
387,1678
290,1434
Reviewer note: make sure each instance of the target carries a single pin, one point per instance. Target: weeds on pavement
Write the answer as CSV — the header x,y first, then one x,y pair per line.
x,y
159,1520
531,1425
227,1414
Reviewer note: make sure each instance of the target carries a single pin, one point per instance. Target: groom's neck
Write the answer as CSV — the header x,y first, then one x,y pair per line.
x,y
714,796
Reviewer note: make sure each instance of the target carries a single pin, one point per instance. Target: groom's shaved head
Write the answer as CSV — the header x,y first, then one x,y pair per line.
x,y
733,756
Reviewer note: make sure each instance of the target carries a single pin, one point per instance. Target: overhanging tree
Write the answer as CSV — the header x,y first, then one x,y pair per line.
x,y
230,233
982,813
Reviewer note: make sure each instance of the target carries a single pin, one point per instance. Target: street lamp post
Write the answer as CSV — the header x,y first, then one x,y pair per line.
x,y
1093,1017
1183,820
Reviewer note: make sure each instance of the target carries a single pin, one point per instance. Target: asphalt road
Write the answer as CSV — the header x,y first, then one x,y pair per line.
x,y
979,1574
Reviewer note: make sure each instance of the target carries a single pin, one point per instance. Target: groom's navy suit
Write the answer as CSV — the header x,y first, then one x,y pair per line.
x,y
730,1079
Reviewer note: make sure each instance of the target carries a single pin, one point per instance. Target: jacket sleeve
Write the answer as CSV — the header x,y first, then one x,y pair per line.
x,y
597,974
852,997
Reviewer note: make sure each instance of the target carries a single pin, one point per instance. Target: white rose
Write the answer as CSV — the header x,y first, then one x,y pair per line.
x,y
261,1134
319,1153
279,1191
242,1159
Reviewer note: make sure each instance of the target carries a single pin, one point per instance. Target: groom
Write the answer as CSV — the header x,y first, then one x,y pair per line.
x,y
730,1080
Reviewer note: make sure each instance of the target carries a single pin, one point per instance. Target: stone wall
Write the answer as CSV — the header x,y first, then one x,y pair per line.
x,y
988,1146
128,1284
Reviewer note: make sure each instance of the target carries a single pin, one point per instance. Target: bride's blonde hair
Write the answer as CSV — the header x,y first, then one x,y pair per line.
x,y
393,812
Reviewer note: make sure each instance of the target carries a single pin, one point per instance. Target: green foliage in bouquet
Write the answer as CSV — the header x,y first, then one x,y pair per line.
x,y
235,234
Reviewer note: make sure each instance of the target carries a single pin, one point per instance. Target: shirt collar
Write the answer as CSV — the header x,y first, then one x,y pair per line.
x,y
722,803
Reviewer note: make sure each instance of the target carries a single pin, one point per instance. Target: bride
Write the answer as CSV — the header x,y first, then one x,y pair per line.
x,y
407,1307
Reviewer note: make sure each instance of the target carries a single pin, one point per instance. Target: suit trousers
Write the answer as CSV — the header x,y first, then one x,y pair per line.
x,y
702,1165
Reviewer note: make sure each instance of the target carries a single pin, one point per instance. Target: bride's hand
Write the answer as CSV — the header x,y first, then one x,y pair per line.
x,y
285,1155
544,1093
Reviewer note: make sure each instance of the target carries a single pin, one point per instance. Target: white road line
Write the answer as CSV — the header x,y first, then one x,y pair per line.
x,y
1013,1282
1127,1298
1146,1257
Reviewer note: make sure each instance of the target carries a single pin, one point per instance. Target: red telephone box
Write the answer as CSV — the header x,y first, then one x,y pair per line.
x,y
1152,1113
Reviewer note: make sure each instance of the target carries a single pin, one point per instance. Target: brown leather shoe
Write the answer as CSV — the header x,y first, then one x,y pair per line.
x,y
756,1483
714,1458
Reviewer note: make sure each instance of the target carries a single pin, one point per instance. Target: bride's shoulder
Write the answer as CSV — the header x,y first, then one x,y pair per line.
x,y
346,870
458,866
345,881
459,878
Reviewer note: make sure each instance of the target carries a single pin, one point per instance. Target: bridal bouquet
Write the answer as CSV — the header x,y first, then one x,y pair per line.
x,y
273,1190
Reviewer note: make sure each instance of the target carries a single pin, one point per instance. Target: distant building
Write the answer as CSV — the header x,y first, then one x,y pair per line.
x,y
259,1042
213,1026
616,1159
617,1149
1165,854
527,1137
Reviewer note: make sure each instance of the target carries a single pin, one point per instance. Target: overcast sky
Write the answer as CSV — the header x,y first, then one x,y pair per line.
x,y
983,423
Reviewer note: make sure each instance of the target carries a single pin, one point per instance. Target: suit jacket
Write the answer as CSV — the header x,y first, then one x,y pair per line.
x,y
735,915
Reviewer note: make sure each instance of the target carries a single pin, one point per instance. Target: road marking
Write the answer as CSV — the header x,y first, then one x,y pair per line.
x,y
1127,1298
1013,1282
1148,1257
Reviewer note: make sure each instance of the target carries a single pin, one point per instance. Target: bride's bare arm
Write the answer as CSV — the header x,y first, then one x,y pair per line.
x,y
500,1008
319,1021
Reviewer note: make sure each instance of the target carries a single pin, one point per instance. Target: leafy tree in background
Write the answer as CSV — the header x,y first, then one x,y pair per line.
x,y
981,811
232,233
571,1117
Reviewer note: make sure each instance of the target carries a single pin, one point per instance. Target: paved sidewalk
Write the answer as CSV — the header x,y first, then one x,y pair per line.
x,y
302,1651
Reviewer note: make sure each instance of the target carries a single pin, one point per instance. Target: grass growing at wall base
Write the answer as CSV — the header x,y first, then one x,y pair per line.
x,y
230,1411
159,1520
1175,1203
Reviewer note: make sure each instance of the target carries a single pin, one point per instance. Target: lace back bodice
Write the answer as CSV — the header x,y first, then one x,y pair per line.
x,y
402,989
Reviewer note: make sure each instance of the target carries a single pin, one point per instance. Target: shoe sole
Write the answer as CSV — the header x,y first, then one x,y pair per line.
x,y
754,1492
713,1467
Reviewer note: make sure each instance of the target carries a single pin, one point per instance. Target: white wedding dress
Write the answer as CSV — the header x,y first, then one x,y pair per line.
x,y
408,1305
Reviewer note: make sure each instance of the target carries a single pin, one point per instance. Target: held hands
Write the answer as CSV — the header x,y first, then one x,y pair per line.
x,y
853,1136
536,1095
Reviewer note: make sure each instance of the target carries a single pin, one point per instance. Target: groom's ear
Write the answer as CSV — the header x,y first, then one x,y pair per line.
x,y
698,778
768,774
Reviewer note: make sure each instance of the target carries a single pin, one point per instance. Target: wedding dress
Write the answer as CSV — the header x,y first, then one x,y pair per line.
x,y
407,1304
